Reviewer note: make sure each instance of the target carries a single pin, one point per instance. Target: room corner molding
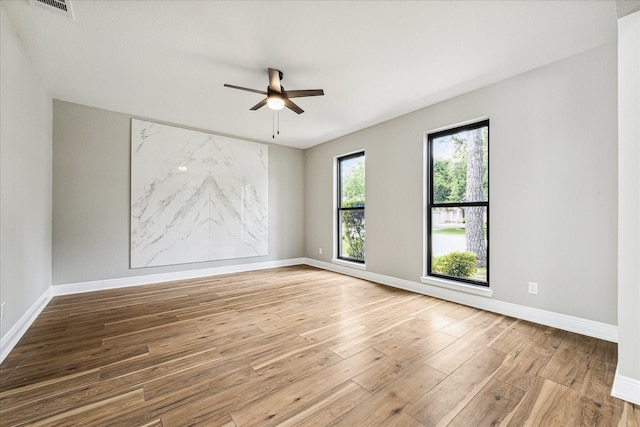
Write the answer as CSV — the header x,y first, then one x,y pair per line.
x,y
626,388
11,338
557,320
123,282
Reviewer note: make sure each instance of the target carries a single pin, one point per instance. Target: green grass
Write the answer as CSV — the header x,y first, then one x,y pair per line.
x,y
481,274
456,231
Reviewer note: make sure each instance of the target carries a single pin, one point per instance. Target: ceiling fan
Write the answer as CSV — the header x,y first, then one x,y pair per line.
x,y
277,97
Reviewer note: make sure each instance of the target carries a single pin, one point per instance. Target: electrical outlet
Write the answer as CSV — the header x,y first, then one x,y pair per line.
x,y
2,310
320,251
533,288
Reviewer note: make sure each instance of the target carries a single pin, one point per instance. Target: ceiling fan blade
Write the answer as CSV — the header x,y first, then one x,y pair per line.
x,y
246,88
293,107
301,93
259,105
274,80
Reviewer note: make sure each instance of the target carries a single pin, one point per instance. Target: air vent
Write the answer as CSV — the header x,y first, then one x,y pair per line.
x,y
61,7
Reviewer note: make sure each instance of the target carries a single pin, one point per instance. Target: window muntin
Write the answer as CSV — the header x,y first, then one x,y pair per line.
x,y
458,204
350,207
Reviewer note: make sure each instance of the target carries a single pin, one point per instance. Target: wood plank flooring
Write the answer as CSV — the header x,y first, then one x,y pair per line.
x,y
299,346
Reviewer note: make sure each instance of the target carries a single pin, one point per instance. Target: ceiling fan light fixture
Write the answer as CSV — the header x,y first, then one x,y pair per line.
x,y
275,101
276,97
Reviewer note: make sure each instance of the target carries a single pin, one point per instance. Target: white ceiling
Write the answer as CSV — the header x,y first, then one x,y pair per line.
x,y
375,60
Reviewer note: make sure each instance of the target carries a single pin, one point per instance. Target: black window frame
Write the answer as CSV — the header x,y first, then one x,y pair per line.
x,y
341,209
432,205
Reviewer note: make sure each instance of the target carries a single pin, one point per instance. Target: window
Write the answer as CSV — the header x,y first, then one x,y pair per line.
x,y
458,204
350,208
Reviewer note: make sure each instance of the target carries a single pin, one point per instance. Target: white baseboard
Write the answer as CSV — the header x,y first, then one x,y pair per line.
x,y
626,388
123,282
11,338
557,320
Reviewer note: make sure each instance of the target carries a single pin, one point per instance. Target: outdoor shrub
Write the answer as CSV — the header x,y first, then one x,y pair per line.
x,y
458,264
353,230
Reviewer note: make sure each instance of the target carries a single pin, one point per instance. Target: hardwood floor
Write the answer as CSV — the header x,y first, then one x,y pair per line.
x,y
299,346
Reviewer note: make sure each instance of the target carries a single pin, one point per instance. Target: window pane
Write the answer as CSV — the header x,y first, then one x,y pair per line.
x,y
461,167
459,242
352,234
352,181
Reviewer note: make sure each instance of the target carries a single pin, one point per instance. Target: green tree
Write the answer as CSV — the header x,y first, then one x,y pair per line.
x,y
458,176
441,180
353,185
449,178
353,232
353,223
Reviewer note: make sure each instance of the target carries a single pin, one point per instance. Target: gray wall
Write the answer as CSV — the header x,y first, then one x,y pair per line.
x,y
629,196
553,186
25,179
91,198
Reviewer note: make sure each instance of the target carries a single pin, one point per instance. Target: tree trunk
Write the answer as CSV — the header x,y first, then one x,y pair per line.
x,y
475,215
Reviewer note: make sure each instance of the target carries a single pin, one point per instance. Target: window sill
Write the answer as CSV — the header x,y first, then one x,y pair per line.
x,y
461,287
351,264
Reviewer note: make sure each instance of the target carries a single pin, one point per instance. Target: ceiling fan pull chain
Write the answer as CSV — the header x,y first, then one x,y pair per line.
x,y
275,124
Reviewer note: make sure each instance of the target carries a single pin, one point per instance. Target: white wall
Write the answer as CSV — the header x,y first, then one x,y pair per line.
x,y
25,180
553,186
629,199
91,199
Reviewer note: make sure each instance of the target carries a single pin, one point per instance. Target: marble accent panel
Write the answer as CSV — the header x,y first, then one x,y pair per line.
x,y
196,196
